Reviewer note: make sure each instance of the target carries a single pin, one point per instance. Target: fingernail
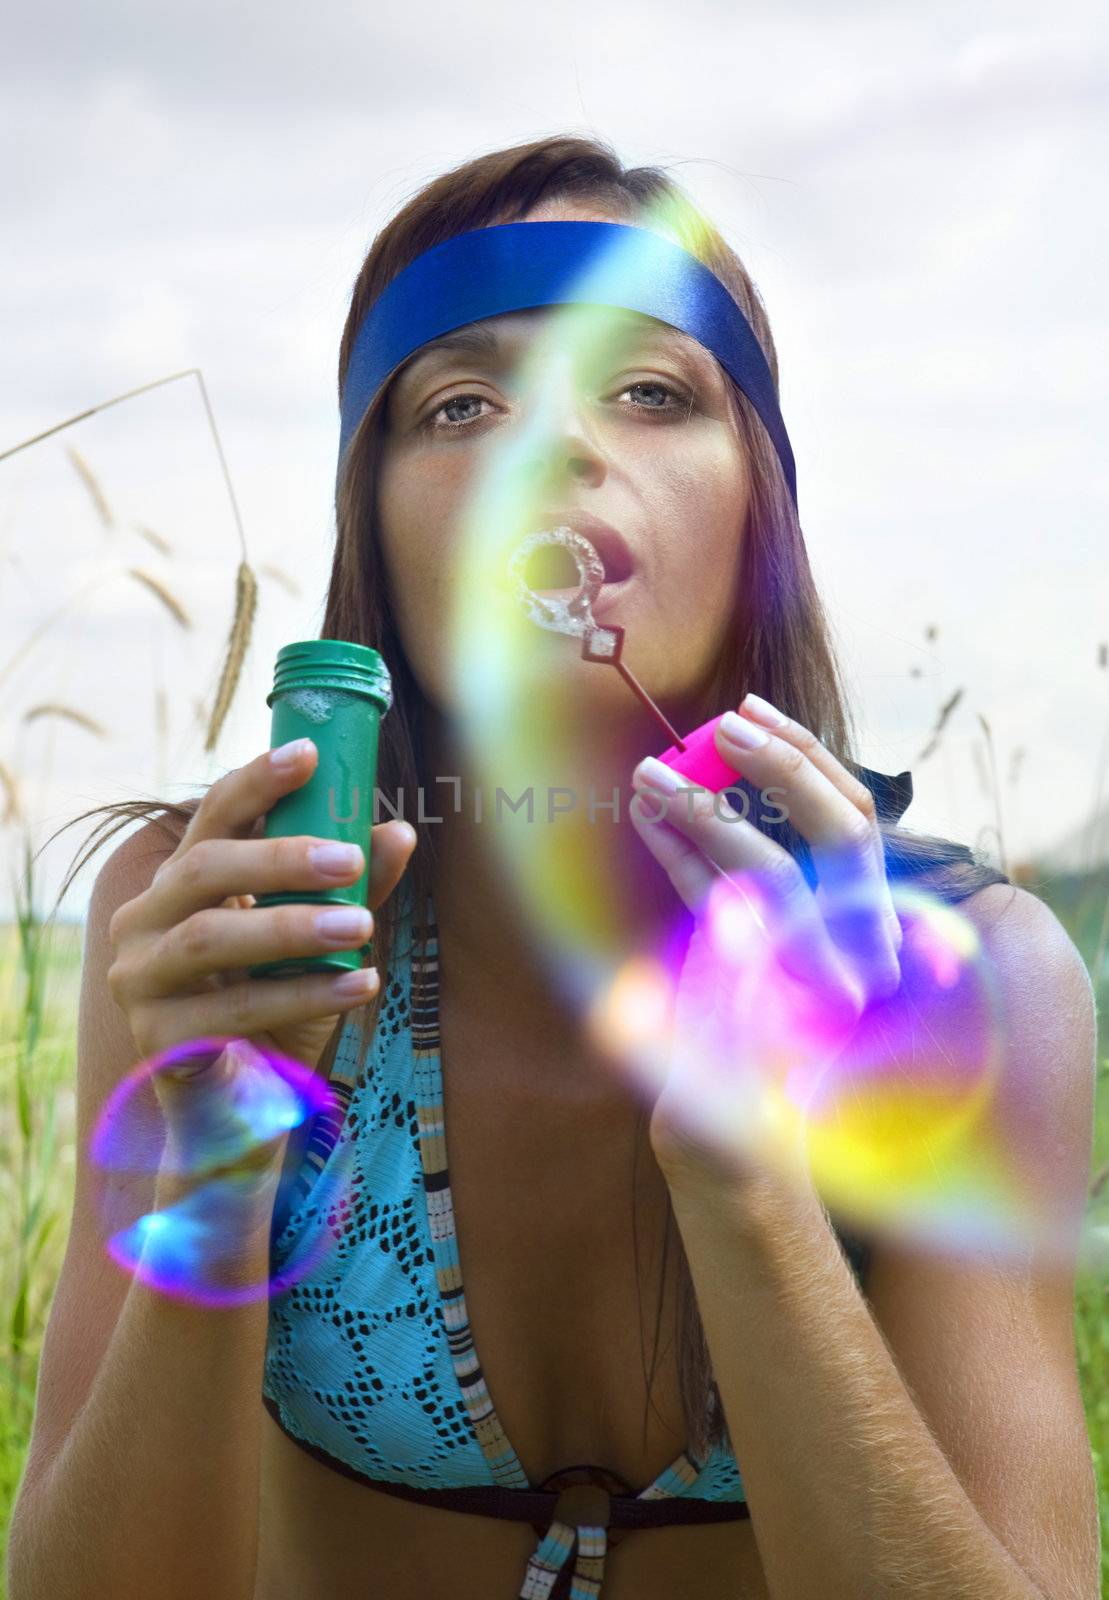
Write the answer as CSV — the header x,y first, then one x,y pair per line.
x,y
337,858
658,775
738,731
359,981
344,922
287,755
763,711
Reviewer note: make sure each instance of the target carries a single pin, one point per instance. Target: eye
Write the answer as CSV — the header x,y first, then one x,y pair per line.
x,y
455,424
682,401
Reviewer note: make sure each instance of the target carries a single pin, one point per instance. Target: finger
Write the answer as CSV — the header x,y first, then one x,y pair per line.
x,y
700,850
682,861
254,1005
227,941
236,805
843,836
229,873
391,847
760,712
754,709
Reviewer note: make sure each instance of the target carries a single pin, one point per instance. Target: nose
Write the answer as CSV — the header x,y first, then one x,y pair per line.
x,y
565,446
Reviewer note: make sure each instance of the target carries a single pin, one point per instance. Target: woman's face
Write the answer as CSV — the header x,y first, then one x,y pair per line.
x,y
650,447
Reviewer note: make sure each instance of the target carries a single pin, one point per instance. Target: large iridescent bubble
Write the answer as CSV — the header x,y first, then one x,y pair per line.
x,y
191,1247
902,1125
891,1113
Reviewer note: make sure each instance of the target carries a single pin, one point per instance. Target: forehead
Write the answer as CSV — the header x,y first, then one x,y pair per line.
x,y
504,336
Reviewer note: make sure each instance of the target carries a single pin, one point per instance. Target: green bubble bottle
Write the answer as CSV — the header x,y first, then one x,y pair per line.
x,y
335,693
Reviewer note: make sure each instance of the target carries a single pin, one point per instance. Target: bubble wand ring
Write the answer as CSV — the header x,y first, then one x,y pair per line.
x,y
575,616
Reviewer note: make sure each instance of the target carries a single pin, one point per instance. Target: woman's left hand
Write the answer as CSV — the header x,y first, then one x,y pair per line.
x,y
777,976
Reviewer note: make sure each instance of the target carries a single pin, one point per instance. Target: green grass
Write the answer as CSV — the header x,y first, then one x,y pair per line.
x,y
39,983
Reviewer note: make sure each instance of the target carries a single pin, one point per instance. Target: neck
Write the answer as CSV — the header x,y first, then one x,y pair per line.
x,y
500,965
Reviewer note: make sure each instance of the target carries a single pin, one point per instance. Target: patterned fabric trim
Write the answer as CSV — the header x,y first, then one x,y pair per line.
x,y
559,1545
503,1462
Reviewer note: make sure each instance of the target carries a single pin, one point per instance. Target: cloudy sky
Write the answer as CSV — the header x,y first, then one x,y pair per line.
x,y
917,190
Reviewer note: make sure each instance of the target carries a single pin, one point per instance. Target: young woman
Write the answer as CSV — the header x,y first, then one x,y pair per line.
x,y
870,1420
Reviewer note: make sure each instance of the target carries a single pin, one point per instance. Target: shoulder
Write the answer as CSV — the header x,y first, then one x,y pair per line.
x,y
1048,1009
1031,959
1043,1014
128,869
1041,980
140,854
1013,920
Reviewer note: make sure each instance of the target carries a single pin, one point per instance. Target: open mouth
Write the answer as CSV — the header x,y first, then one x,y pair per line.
x,y
551,569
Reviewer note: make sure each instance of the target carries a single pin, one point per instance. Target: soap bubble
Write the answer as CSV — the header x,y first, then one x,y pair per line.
x,y
898,1117
556,612
531,711
191,1248
905,1131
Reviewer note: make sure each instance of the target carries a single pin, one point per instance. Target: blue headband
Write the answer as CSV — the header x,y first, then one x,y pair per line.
x,y
517,266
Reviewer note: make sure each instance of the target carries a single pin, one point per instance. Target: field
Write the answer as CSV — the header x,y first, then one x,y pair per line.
x,y
39,981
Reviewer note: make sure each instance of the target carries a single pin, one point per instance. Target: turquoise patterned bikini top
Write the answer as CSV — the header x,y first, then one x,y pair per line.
x,y
370,1361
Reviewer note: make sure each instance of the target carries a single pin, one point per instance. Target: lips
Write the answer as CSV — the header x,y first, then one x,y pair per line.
x,y
610,545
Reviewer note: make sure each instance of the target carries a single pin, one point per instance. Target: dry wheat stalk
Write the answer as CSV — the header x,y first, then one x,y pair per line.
x,y
88,478
163,546
246,601
51,708
995,789
981,768
945,711
13,811
282,577
171,603
43,627
130,394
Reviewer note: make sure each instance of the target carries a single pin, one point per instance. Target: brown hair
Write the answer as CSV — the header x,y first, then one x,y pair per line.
x,y
778,647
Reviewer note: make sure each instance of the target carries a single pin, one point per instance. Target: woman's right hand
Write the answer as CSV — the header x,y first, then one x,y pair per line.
x,y
182,947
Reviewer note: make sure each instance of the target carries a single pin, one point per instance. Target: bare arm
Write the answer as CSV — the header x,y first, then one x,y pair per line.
x,y
143,1471
156,1487
155,1483
930,1439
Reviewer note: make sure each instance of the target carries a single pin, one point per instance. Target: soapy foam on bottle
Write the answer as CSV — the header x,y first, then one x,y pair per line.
x,y
317,705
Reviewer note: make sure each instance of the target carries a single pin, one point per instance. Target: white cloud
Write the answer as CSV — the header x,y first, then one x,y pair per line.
x,y
915,189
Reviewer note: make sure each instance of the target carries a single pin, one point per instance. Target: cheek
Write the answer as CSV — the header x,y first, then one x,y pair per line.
x,y
419,503
421,498
706,497
408,524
